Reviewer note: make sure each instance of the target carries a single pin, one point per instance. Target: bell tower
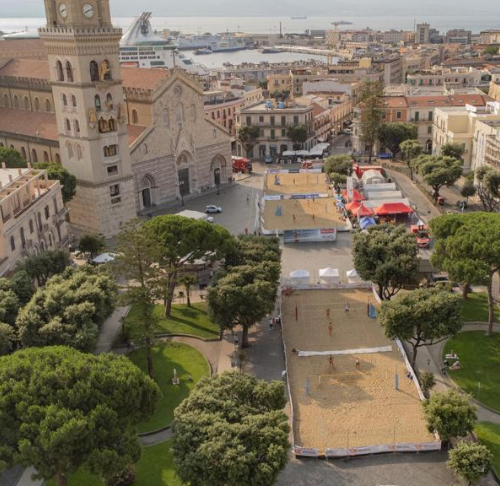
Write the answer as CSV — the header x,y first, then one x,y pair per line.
x,y
82,47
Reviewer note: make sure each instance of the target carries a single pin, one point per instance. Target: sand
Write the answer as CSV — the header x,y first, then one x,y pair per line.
x,y
326,215
346,407
296,184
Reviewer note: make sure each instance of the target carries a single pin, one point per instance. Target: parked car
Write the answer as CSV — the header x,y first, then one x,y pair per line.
x,y
213,209
209,219
268,160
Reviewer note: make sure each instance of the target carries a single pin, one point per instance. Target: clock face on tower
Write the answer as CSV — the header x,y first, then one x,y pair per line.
x,y
63,10
88,10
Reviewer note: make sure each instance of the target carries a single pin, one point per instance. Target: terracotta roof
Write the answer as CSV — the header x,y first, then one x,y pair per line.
x,y
395,102
134,132
318,109
29,123
138,78
448,100
22,49
143,78
26,68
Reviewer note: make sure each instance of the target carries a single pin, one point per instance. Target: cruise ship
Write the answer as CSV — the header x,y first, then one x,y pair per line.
x,y
216,43
141,47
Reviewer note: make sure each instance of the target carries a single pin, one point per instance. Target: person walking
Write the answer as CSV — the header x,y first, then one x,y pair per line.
x,y
330,329
328,313
331,362
346,308
358,365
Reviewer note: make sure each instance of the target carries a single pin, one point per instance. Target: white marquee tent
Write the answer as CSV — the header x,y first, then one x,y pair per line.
x,y
300,277
329,275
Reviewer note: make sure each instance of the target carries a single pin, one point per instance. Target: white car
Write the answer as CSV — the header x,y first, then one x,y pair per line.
x,y
213,209
209,219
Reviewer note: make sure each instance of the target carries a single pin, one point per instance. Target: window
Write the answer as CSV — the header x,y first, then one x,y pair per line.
x,y
79,152
39,220
398,115
261,119
295,120
430,115
69,72
73,101
64,100
47,212
34,156
12,243
135,117
23,238
114,190
273,134
417,115
109,101
6,101
76,124
110,150
94,71
180,115
112,170
16,101
248,120
429,129
45,156
59,71
32,228
48,106
58,158
23,153
105,73
165,117
272,120
67,126
213,115
224,113
283,132
283,121
26,103
215,133
70,150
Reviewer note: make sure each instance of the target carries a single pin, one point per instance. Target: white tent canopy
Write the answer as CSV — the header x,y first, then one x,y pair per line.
x,y
300,277
329,275
373,177
353,277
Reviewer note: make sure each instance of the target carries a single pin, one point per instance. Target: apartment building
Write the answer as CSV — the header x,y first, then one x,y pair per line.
x,y
33,216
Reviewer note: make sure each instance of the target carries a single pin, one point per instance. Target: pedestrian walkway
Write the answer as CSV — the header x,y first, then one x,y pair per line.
x,y
110,329
429,358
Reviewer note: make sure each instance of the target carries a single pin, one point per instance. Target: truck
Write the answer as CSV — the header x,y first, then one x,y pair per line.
x,y
241,164
422,233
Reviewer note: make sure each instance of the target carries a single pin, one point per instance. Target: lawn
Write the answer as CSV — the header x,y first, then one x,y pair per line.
x,y
166,356
192,320
155,468
489,435
479,356
475,308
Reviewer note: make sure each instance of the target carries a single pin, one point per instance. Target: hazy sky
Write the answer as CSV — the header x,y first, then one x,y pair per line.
x,y
285,8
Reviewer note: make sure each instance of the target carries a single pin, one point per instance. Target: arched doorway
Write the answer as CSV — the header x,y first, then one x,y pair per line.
x,y
183,174
428,146
218,169
147,192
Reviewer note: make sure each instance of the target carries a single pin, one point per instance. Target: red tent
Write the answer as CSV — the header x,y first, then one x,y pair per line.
x,y
393,208
357,196
353,206
362,211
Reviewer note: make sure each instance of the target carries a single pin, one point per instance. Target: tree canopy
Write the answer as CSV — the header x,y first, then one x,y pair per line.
x,y
339,164
7,338
68,310
453,150
468,248
248,136
184,240
40,268
138,254
392,135
91,245
244,296
488,187
12,158
470,460
410,149
387,256
450,414
421,317
72,410
372,115
249,249
298,134
58,172
438,171
231,430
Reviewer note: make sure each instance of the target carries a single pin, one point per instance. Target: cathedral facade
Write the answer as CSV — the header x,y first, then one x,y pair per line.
x,y
134,138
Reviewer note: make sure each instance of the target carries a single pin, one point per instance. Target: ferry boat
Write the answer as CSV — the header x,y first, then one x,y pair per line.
x,y
141,47
216,43
299,17
202,51
269,50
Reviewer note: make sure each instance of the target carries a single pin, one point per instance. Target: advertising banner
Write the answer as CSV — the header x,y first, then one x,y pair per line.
x,y
318,235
